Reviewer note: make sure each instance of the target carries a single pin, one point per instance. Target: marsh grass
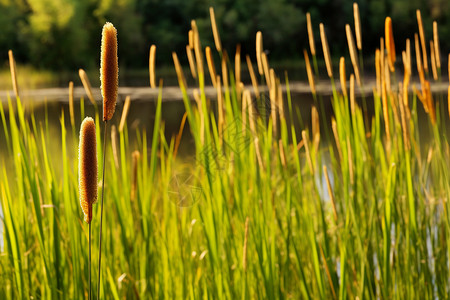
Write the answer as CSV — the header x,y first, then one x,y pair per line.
x,y
273,214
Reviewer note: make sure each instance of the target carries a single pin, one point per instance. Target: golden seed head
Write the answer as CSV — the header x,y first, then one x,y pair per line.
x,y
342,76
357,25
259,52
390,45
214,29
151,66
326,51
109,70
87,169
312,45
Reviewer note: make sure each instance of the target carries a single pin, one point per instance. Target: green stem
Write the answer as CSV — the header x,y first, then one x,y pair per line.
x,y
101,215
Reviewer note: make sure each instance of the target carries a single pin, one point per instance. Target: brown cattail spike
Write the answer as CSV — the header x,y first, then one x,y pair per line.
x,y
312,45
190,57
259,51
151,66
342,76
353,54
390,45
214,29
126,108
109,70
422,41
12,67
309,73
86,85
357,26
211,67
326,51
87,169
437,51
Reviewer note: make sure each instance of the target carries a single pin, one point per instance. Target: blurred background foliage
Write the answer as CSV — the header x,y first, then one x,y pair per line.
x,y
65,34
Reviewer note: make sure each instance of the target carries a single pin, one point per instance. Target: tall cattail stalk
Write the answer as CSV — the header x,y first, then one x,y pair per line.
x,y
252,76
353,54
87,175
342,76
308,153
385,111
357,26
71,109
437,50
114,145
191,39
109,78
214,30
198,100
309,72
126,108
197,48
352,94
336,137
224,71
190,57
279,101
135,158
265,64
211,67
312,45
179,71
378,70
259,52
315,124
433,61
326,51
422,40
87,85
220,106
151,66
390,45
237,69
273,100
419,60
12,68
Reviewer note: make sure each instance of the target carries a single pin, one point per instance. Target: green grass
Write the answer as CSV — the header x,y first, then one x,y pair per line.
x,y
183,235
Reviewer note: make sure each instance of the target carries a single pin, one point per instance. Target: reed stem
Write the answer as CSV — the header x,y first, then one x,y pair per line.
x,y
101,214
89,261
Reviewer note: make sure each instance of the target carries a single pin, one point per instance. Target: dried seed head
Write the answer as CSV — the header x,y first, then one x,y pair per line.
x,y
87,169
214,29
12,67
342,76
309,72
86,85
259,52
109,70
125,110
357,25
211,66
390,45
326,51
422,40
312,45
151,66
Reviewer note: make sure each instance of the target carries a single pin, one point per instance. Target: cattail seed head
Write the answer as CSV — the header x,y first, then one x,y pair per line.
x,y
342,76
437,51
259,52
86,85
190,57
422,40
390,45
357,25
126,108
252,76
214,29
211,66
353,54
151,66
12,67
109,70
87,169
326,51
312,45
309,73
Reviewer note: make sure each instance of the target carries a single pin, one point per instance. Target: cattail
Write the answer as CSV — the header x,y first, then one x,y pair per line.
x,y
404,122
247,99
214,29
422,40
308,155
12,68
265,64
179,71
353,54
406,77
309,72
385,111
378,70
430,102
382,58
387,76
109,70
211,67
244,255
280,103
252,76
237,69
126,107
437,51
448,101
433,61
151,66
135,158
86,85
352,94
191,39
357,25
419,60
220,106
190,57
202,118
326,51
342,76
390,45
71,110
197,48
330,192
312,45
114,145
315,127
225,70
408,56
259,52
87,169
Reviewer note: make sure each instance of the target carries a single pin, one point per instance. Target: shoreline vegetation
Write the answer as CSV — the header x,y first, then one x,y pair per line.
x,y
353,204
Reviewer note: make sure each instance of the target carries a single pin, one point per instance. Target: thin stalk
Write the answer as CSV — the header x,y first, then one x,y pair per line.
x,y
89,261
101,214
